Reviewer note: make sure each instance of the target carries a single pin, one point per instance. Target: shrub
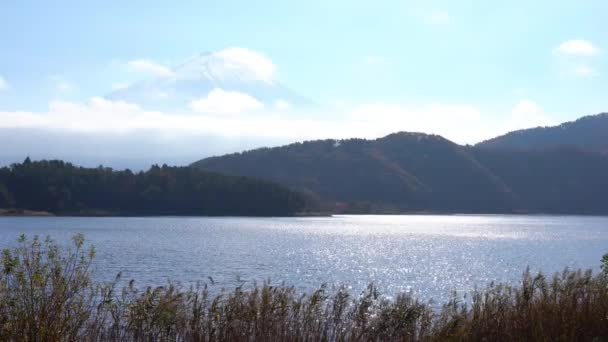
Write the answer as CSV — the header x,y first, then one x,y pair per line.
x,y
46,294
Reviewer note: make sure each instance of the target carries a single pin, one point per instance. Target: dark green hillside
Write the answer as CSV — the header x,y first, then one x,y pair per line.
x,y
409,171
589,132
558,180
419,172
63,188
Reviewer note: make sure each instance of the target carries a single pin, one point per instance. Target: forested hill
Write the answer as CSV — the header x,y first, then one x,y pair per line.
x,y
589,132
62,188
419,172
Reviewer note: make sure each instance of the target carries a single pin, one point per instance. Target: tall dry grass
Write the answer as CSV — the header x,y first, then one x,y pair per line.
x,y
46,294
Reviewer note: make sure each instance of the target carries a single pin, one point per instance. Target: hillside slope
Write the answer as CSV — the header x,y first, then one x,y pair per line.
x,y
589,132
411,171
557,180
419,172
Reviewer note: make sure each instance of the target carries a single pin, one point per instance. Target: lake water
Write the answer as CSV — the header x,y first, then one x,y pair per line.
x,y
430,255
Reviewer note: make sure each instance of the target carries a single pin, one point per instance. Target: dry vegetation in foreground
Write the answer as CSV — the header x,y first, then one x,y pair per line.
x,y
46,294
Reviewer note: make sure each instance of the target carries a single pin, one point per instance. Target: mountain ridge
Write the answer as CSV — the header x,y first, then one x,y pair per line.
x,y
375,171
587,132
410,171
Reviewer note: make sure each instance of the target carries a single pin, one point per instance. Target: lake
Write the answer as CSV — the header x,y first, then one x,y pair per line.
x,y
430,255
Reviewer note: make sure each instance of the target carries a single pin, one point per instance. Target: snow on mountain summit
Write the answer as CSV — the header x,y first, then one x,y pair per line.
x,y
228,65
234,70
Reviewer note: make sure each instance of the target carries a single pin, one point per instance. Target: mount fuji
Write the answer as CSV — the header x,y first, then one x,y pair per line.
x,y
233,70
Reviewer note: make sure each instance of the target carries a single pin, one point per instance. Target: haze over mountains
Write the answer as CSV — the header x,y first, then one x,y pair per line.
x,y
562,173
209,104
231,100
559,170
226,101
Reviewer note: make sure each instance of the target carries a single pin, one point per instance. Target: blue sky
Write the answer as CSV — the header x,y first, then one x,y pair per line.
x,y
540,60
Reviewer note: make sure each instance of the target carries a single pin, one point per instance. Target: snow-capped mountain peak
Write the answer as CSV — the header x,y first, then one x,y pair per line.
x,y
232,69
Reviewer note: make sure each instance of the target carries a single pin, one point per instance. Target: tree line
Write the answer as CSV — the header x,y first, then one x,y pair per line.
x,y
415,172
62,188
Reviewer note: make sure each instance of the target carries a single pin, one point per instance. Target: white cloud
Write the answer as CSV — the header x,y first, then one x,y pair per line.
x,y
460,123
229,64
248,64
3,84
526,114
439,18
148,66
577,47
281,105
576,58
368,121
220,101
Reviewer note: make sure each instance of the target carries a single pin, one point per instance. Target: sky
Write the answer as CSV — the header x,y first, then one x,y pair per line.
x,y
119,82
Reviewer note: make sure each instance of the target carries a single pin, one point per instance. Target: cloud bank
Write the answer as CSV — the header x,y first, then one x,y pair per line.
x,y
578,47
123,134
220,101
461,123
217,120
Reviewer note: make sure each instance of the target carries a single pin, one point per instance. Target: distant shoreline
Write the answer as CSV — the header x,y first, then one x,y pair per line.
x,y
100,214
24,212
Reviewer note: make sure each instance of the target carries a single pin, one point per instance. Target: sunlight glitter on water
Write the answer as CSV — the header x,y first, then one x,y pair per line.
x,y
429,255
